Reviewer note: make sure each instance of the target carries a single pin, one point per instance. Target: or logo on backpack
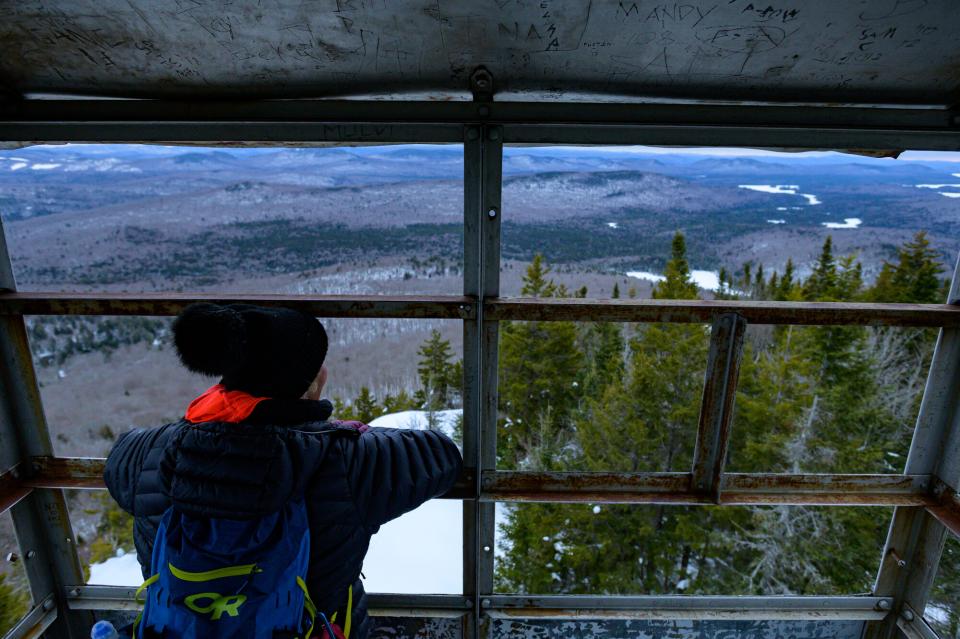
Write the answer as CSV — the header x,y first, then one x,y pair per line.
x,y
230,578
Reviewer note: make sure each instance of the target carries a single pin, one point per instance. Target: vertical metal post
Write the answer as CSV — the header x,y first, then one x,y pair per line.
x,y
916,539
482,172
472,367
41,520
716,409
489,346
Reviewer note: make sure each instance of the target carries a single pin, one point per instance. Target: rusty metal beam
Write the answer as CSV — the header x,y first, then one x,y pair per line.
x,y
683,607
716,409
575,487
168,304
705,311
12,489
462,307
946,507
736,489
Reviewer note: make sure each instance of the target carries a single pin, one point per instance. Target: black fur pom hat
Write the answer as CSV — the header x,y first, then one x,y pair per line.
x,y
267,352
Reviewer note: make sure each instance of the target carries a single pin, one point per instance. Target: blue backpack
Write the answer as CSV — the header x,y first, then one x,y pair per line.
x,y
230,578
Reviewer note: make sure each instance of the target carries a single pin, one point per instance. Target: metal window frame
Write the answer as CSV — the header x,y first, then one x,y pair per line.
x,y
926,496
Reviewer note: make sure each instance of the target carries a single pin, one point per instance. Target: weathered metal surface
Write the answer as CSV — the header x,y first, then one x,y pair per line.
x,y
473,373
40,519
914,626
36,622
916,537
860,51
716,409
163,304
685,607
736,489
12,489
363,122
532,309
705,311
947,507
649,629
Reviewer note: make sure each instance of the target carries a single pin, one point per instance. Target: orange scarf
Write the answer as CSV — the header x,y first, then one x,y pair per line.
x,y
217,404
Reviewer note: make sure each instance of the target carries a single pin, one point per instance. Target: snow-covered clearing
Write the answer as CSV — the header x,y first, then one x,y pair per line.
x,y
935,186
16,166
613,225
776,221
782,189
848,223
41,166
707,280
421,552
953,195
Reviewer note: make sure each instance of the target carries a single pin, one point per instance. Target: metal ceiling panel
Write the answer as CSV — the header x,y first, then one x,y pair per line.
x,y
866,52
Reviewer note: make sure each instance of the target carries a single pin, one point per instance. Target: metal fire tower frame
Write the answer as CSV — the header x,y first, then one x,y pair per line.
x,y
925,494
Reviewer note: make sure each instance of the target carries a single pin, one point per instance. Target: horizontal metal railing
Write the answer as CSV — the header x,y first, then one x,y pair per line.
x,y
738,489
836,608
503,308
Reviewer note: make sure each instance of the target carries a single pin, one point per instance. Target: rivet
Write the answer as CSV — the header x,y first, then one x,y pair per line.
x,y
492,213
486,549
472,134
68,540
906,614
13,557
485,603
74,592
468,603
48,605
483,111
883,604
494,135
31,554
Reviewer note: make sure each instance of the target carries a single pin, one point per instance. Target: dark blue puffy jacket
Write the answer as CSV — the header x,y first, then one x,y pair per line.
x,y
352,483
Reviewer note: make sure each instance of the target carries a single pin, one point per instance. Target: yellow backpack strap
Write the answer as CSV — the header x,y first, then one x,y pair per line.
x,y
308,606
349,619
136,597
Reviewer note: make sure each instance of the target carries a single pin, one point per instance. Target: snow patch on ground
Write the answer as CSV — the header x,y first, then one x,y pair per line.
x,y
707,280
446,420
776,221
848,223
17,166
781,189
420,552
40,166
613,225
122,570
646,275
953,195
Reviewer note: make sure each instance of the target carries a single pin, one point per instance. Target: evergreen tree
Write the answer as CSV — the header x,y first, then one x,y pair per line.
x,y
540,369
616,291
676,284
14,604
434,369
365,407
